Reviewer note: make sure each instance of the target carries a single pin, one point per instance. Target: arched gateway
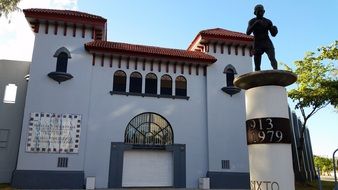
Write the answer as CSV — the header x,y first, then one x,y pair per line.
x,y
146,157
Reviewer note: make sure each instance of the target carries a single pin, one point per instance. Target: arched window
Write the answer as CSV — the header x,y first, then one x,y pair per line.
x,y
181,86
166,85
135,84
119,81
62,55
151,84
230,76
62,61
230,72
149,129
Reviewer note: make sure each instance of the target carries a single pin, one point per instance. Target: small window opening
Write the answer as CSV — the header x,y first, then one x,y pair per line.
x,y
10,94
181,86
135,82
230,72
230,76
62,61
230,88
60,75
166,85
62,55
151,84
119,81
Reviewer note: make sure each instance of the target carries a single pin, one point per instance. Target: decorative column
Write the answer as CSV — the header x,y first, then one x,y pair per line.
x,y
268,129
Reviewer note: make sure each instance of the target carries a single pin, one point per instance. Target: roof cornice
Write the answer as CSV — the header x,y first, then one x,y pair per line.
x,y
105,47
66,16
222,36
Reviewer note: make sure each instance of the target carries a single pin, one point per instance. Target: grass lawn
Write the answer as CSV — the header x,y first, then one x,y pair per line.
x,y
326,185
5,186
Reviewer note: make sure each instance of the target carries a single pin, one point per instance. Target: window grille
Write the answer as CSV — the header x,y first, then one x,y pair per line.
x,y
119,81
230,76
225,164
135,84
166,85
149,129
62,55
230,72
181,86
151,84
61,63
62,162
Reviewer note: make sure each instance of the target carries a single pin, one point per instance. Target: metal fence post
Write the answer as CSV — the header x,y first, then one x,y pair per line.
x,y
334,170
319,180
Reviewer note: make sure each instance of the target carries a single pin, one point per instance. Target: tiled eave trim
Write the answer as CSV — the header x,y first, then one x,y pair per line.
x,y
230,41
224,37
41,17
104,47
151,56
149,95
205,38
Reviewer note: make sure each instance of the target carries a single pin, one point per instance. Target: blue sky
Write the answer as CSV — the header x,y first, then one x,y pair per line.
x,y
303,25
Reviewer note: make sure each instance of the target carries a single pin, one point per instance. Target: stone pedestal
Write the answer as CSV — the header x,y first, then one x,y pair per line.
x,y
268,129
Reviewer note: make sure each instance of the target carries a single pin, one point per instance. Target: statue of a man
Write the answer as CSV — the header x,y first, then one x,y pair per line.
x,y
260,26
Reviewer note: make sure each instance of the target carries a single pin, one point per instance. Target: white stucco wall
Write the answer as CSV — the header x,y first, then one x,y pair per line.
x,y
47,95
211,123
110,115
226,114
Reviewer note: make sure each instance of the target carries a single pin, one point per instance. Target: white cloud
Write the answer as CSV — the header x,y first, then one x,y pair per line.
x,y
16,36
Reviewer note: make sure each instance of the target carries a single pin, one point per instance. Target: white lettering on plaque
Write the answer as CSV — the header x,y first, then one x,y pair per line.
x,y
264,185
53,133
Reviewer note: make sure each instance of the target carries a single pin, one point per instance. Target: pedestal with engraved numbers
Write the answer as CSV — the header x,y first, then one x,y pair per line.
x,y
268,129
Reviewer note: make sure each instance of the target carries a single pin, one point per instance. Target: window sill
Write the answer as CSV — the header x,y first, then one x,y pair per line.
x,y
231,90
148,95
60,76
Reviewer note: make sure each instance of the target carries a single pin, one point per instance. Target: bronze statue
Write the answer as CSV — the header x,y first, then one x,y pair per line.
x,y
260,27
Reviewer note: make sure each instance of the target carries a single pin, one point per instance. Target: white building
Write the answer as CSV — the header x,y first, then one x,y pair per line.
x,y
131,115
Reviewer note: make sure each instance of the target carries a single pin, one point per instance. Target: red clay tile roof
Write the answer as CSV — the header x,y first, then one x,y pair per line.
x,y
151,51
221,34
226,34
66,15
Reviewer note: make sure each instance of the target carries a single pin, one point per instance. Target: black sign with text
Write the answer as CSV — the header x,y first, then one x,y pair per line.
x,y
268,130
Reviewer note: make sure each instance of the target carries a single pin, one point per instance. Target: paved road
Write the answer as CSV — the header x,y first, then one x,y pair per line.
x,y
327,178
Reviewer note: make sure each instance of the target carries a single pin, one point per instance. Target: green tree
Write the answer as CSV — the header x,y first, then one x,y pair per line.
x,y
8,6
317,84
324,164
